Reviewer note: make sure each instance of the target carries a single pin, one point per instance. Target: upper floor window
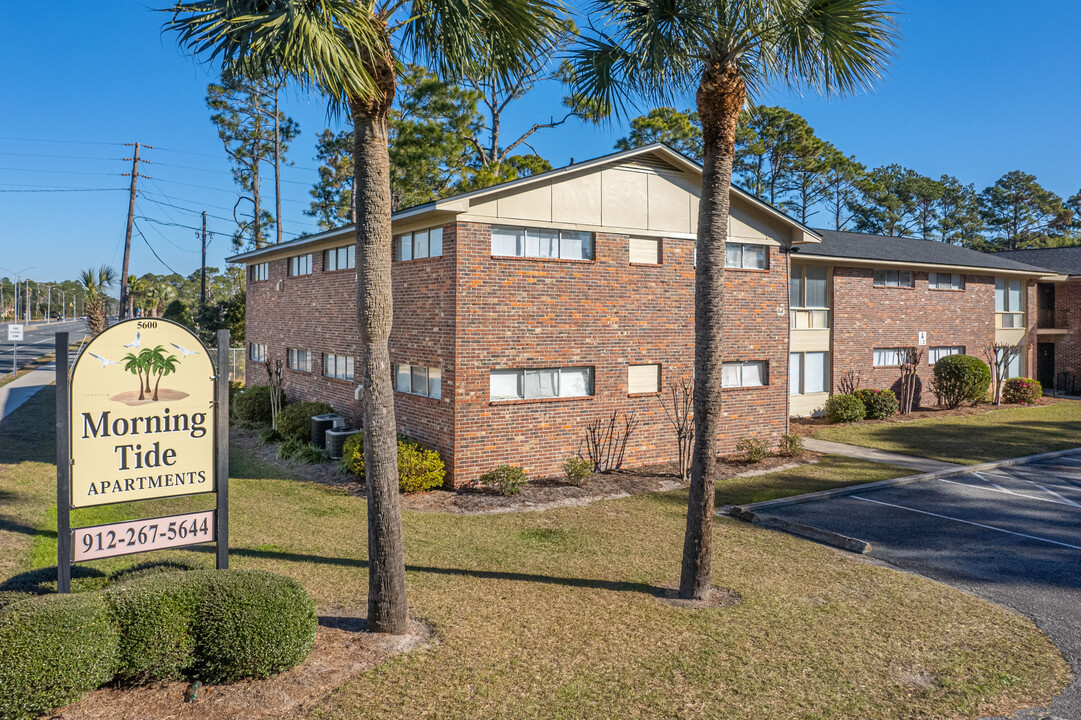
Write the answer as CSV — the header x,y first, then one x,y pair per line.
x,y
541,383
338,366
541,243
747,257
946,281
341,258
419,244
645,251
418,380
894,278
259,272
300,360
1009,302
300,264
937,353
257,352
743,374
808,296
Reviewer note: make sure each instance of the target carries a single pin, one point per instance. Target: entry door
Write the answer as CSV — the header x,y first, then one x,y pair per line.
x,y
1045,364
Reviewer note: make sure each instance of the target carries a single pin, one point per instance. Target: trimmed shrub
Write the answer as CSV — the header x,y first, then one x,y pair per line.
x,y
295,421
308,453
879,404
53,649
790,446
577,470
252,405
507,480
959,379
1022,391
289,448
752,449
419,468
843,408
251,624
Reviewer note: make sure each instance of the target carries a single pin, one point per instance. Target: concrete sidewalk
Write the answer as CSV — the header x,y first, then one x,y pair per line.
x,y
909,461
18,391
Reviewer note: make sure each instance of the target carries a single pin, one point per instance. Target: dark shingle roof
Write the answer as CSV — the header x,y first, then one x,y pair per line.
x,y
859,246
1065,260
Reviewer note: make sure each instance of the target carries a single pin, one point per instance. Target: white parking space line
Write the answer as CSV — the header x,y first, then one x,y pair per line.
x,y
1000,489
1067,487
967,522
1070,459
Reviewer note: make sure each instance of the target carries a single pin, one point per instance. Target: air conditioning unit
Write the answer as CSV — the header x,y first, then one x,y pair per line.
x,y
335,441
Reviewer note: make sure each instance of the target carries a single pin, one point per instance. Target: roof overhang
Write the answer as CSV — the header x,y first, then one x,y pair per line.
x,y
982,270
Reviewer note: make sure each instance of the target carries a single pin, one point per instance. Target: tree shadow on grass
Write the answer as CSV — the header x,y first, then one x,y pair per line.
x,y
10,524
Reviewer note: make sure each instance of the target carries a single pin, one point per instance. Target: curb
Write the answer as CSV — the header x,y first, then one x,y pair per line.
x,y
753,509
826,537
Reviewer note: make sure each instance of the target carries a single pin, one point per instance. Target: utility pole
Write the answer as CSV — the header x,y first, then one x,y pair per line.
x,y
122,310
202,279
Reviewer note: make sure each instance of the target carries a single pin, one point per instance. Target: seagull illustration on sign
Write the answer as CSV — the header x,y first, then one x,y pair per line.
x,y
137,342
105,362
184,352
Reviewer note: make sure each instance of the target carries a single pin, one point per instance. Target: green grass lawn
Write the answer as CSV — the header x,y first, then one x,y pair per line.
x,y
996,435
554,614
832,471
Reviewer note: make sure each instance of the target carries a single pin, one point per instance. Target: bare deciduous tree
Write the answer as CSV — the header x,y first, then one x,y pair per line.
x,y
913,356
606,442
999,355
680,411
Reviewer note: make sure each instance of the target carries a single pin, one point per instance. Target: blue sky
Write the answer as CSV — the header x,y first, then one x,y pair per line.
x,y
977,89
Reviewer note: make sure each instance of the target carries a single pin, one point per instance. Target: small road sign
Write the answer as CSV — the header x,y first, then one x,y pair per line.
x,y
15,333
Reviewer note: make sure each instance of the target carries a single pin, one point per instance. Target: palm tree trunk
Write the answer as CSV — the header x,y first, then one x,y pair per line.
x,y
720,98
387,608
156,383
142,394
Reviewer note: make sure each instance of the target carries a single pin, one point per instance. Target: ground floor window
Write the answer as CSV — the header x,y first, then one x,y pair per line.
x,y
418,380
643,379
937,353
541,383
808,372
890,357
257,352
1014,368
300,360
750,373
338,366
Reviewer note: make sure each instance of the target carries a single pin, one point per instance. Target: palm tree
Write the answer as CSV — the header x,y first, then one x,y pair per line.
x,y
94,284
352,52
161,365
723,50
136,365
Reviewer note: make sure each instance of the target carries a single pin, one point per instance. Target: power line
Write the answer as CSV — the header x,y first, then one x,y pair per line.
x,y
59,172
139,230
60,190
162,235
64,157
67,142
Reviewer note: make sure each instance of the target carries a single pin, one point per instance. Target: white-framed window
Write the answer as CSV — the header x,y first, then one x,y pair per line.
x,y
1009,302
745,256
894,278
946,281
342,258
419,244
510,241
300,265
645,251
1014,367
259,272
257,352
338,366
300,360
751,373
541,383
418,380
890,357
643,379
937,353
808,372
808,297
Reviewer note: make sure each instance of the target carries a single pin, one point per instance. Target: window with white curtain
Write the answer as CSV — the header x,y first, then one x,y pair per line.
x,y
259,272
743,374
809,297
937,353
419,244
1013,369
543,243
894,278
300,360
257,352
643,379
342,258
745,256
338,366
300,264
890,357
946,281
530,384
1009,302
418,380
808,372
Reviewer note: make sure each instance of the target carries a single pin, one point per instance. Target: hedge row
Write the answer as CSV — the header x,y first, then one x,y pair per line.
x,y
211,625
419,468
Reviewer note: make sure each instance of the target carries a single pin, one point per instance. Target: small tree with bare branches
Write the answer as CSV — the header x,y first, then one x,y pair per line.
x,y
849,382
999,355
680,411
606,441
274,373
913,356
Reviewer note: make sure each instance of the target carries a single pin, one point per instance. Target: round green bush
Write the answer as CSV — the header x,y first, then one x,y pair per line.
x,y
844,408
295,421
959,379
251,624
880,404
419,468
53,648
1022,391
252,405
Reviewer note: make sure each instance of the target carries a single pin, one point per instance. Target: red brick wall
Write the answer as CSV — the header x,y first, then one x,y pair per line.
x,y
1068,347
867,317
607,314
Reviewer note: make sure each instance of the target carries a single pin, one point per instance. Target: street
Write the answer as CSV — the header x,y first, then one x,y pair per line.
x,y
38,340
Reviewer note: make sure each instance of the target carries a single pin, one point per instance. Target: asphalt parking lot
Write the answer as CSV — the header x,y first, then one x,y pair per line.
x,y
1011,535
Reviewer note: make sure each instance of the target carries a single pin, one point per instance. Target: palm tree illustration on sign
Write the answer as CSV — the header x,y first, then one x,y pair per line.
x,y
150,364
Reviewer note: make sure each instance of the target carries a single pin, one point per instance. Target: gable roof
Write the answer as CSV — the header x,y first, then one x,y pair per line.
x,y
1065,260
839,244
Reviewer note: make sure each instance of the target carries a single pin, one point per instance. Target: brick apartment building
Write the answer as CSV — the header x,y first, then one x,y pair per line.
x,y
525,311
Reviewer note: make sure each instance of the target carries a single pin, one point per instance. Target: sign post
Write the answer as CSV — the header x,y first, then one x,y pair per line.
x,y
144,416
15,335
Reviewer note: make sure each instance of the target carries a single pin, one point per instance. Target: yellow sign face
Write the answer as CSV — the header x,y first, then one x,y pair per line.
x,y
142,415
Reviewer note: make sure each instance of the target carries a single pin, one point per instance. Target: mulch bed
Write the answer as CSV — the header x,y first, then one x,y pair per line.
x,y
809,426
342,651
539,494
